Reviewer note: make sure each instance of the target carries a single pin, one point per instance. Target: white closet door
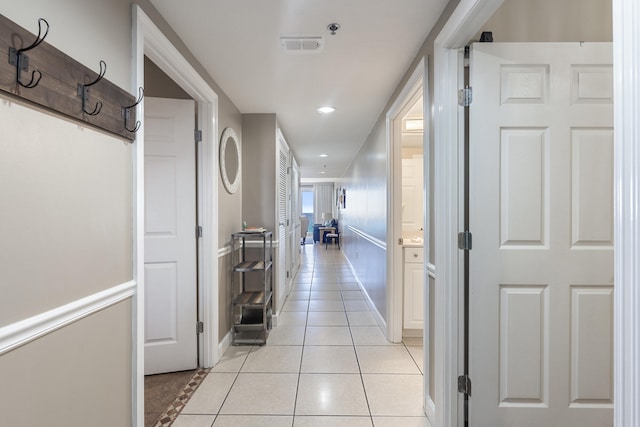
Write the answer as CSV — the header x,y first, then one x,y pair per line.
x,y
170,239
541,214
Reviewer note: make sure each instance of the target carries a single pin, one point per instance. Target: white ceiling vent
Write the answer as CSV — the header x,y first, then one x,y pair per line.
x,y
302,44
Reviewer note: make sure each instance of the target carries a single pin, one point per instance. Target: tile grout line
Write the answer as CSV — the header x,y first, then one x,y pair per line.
x,y
304,340
355,351
226,396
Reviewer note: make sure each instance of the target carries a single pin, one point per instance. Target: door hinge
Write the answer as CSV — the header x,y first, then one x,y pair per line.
x,y
464,384
464,240
465,96
199,327
198,231
197,135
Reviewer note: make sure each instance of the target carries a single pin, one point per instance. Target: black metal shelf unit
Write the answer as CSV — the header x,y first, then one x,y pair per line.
x,y
251,286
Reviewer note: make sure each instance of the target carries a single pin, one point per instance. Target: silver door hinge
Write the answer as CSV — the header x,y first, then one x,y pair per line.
x,y
199,327
464,384
465,96
464,240
198,231
197,135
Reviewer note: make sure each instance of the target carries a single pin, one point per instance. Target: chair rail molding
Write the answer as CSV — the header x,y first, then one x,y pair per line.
x,y
25,331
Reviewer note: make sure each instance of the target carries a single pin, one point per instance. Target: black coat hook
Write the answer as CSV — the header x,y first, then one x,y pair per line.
x,y
83,91
21,61
126,113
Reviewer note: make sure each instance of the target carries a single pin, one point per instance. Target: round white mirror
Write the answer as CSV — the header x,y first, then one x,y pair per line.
x,y
230,160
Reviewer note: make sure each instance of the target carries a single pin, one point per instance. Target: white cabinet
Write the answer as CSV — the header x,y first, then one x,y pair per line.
x,y
413,288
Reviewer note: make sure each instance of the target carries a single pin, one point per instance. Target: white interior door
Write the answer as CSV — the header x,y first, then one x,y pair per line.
x,y
170,239
541,205
412,194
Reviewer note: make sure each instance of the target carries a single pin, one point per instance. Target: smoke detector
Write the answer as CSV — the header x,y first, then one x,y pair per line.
x,y
302,44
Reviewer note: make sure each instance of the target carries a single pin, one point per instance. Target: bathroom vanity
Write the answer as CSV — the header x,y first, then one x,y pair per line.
x,y
413,279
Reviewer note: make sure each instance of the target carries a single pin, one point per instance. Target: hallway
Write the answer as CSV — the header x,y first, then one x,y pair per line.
x,y
327,363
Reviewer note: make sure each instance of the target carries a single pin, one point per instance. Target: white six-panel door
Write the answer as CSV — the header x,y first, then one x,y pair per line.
x,y
170,239
541,214
412,194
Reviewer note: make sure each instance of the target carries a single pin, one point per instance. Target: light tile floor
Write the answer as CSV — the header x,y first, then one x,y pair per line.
x,y
327,363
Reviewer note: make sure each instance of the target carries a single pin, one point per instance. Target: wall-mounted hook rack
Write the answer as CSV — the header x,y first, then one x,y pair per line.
x,y
18,58
55,80
83,91
126,112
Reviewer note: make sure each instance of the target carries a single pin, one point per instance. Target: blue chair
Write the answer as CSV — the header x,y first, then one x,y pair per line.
x,y
316,232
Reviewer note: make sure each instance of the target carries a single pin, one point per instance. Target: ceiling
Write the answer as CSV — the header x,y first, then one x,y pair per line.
x,y
356,71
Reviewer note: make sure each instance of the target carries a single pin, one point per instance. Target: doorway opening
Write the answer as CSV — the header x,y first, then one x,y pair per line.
x,y
410,277
151,42
306,197
171,250
171,346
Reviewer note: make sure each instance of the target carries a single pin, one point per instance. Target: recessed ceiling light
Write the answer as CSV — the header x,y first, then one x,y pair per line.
x,y
322,172
326,110
323,155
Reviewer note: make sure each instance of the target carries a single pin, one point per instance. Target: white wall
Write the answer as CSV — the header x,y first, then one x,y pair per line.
x,y
66,222
552,21
363,220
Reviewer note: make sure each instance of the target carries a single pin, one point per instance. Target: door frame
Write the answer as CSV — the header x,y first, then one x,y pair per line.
x,y
466,21
149,40
394,195
626,174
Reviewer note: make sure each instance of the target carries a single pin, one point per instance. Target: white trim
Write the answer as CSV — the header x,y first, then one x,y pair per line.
x,y
224,251
32,328
374,310
258,243
149,41
394,202
379,243
626,66
225,343
465,21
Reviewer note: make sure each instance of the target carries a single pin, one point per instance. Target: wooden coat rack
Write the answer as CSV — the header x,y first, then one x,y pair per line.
x,y
38,72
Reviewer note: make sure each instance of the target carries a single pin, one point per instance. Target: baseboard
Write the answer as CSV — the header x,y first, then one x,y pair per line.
x,y
32,328
224,345
376,314
413,333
